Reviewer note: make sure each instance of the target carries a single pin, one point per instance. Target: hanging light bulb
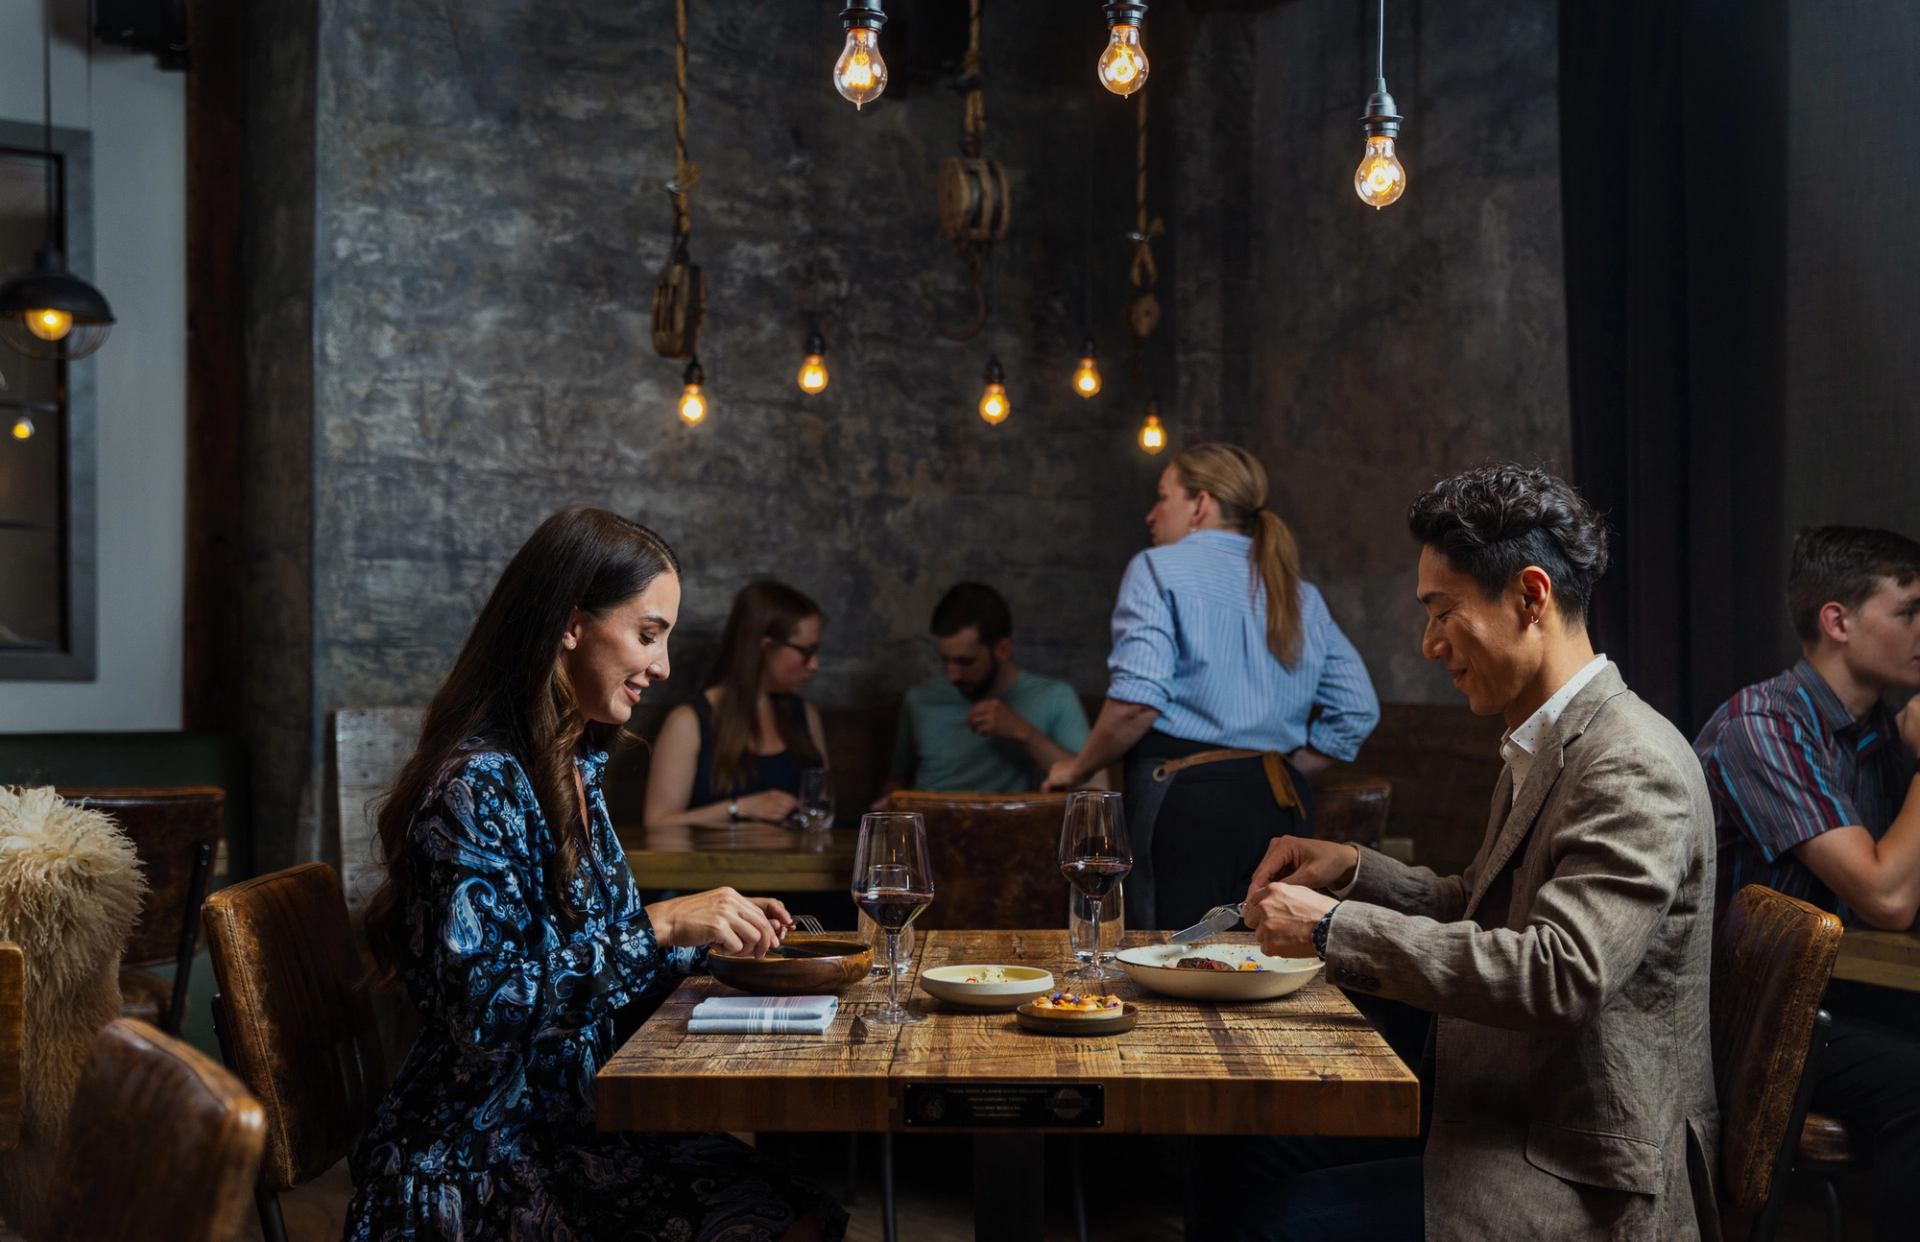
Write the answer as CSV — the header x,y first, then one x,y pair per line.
x,y
813,369
693,400
23,428
1380,179
1153,437
1123,66
994,406
48,323
1086,376
860,74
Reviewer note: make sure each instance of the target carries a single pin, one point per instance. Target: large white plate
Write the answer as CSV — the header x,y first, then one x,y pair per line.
x,y
1152,967
949,983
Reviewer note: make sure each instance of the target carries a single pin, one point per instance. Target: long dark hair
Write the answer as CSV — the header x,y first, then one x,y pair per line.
x,y
761,610
1238,484
509,688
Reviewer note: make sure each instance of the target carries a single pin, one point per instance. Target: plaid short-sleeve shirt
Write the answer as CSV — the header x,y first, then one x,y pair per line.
x,y
1786,761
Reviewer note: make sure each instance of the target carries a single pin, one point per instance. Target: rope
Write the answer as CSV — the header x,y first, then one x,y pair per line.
x,y
1144,271
685,175
974,120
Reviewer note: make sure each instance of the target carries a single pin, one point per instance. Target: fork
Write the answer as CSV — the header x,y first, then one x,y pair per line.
x,y
807,923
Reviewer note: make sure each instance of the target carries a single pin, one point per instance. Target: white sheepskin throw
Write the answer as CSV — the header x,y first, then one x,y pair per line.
x,y
70,890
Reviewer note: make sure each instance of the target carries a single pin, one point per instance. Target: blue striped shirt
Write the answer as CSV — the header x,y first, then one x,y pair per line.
x,y
1786,761
1190,639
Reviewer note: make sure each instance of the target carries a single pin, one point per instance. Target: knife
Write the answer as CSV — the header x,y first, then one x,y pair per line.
x,y
1218,920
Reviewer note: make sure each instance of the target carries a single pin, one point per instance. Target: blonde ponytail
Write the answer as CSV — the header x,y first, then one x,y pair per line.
x,y
1238,484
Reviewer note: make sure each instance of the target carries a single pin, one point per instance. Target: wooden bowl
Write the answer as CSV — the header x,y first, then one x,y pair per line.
x,y
831,963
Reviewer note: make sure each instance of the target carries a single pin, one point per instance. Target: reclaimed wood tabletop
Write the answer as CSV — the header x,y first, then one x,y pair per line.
x,y
1307,1063
752,857
1886,959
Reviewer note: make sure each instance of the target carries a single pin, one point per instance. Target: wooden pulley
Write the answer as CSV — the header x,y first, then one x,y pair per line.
x,y
975,204
1143,314
679,303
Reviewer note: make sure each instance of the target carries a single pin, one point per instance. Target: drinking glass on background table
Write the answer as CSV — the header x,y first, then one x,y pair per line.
x,y
1113,924
816,800
1094,856
892,884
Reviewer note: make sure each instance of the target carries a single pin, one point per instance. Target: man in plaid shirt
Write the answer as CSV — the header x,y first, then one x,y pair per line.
x,y
1815,795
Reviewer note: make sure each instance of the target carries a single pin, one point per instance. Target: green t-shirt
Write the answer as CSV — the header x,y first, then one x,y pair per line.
x,y
934,749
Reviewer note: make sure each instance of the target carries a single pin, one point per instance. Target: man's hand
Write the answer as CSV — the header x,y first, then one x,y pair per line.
x,y
1285,915
1306,862
1908,722
721,918
1063,775
992,718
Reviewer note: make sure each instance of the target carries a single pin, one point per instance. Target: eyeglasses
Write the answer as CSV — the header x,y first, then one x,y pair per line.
x,y
807,654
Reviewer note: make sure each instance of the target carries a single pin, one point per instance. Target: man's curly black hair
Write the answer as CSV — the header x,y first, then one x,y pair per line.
x,y
1493,522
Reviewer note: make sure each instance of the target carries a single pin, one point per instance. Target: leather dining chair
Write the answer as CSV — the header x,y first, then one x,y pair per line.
x,y
1352,808
161,1144
1772,958
995,858
176,832
295,1022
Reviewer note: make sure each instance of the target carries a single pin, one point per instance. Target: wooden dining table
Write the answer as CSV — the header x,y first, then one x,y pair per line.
x,y
1307,1063
750,856
1885,959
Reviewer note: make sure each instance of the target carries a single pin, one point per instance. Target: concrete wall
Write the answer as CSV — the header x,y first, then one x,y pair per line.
x,y
136,115
1364,354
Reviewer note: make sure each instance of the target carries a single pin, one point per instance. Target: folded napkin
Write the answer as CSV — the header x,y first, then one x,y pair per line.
x,y
752,1014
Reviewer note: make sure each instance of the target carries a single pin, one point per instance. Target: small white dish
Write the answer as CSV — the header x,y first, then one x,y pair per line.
x,y
1015,985
1152,966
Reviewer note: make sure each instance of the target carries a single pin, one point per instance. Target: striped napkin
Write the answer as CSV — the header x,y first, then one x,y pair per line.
x,y
743,1015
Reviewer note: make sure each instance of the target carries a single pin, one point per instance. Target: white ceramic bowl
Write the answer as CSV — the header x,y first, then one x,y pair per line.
x,y
949,983
1152,967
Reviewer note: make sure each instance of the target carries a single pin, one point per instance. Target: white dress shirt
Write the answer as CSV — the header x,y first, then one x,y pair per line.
x,y
1518,744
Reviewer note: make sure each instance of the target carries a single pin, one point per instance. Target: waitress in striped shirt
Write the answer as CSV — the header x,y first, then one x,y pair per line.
x,y
1221,654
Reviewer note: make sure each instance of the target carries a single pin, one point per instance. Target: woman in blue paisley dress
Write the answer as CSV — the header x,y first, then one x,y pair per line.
x,y
511,917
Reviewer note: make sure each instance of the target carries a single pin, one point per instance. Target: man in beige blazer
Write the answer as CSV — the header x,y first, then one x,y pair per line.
x,y
1567,968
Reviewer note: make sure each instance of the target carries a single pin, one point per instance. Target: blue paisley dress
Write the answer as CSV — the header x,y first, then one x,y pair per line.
x,y
487,1131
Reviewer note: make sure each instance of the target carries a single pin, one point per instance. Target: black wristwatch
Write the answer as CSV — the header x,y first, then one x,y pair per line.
x,y
1320,931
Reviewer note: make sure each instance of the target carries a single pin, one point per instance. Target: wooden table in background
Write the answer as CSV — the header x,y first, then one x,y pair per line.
x,y
1308,1063
1883,958
752,857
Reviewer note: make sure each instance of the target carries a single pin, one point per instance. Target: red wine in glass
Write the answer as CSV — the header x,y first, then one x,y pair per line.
x,y
892,883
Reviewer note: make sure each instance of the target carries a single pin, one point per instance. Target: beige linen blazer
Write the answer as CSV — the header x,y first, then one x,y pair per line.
x,y
1567,970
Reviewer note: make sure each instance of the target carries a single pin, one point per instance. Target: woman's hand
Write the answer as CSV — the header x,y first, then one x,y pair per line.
x,y
1063,775
722,919
772,805
1307,862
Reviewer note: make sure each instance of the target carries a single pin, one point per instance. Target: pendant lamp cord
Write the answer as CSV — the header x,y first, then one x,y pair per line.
x,y
973,123
1380,44
1144,272
46,119
685,175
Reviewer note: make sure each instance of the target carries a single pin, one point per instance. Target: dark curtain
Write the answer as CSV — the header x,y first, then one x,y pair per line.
x,y
1673,191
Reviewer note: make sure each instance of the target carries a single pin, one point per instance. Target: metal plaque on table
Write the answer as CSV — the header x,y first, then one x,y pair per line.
x,y
1006,1105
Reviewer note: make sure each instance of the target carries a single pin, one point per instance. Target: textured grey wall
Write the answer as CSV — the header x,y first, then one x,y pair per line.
x,y
487,226
1364,354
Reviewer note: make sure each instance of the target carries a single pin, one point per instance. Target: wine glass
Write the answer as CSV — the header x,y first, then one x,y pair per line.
x,y
1095,857
816,799
892,884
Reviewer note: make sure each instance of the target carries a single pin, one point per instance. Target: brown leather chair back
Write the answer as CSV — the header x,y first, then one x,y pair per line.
x,y
1772,958
296,1022
13,1040
166,826
1352,808
161,1144
996,858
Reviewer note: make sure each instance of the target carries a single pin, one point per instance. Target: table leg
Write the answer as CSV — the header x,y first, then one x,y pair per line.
x,y
1009,1187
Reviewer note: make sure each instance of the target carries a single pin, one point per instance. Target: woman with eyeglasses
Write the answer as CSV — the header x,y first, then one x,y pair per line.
x,y
736,751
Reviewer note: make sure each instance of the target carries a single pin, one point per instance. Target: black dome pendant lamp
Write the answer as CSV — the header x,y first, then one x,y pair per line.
x,y
49,312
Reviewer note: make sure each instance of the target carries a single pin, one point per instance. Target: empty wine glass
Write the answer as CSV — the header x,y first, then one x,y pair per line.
x,y
816,799
892,884
1094,856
